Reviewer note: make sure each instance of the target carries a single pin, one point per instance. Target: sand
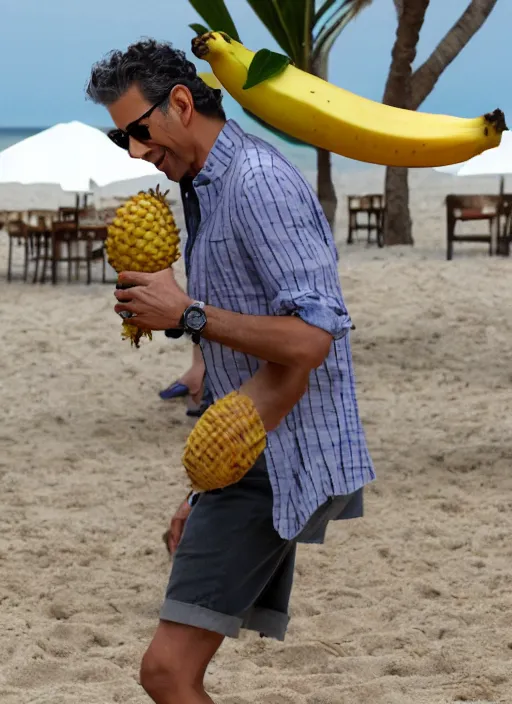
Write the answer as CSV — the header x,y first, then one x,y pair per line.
x,y
410,605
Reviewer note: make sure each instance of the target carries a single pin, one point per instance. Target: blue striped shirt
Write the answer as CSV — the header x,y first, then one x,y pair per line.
x,y
264,247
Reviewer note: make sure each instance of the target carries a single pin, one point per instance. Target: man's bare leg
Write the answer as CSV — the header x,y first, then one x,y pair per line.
x,y
194,376
174,665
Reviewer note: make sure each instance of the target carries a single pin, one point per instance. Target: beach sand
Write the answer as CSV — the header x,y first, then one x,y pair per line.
x,y
410,605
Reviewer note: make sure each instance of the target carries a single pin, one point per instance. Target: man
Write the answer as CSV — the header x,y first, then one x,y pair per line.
x,y
265,304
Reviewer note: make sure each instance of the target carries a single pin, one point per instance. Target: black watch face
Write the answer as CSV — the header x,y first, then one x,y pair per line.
x,y
195,319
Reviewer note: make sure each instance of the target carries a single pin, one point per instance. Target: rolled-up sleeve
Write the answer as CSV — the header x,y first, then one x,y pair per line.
x,y
290,248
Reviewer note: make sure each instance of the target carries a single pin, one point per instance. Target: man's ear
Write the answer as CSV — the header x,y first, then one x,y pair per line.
x,y
182,103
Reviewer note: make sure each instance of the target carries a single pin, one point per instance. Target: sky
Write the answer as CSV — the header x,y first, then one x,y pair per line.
x,y
47,49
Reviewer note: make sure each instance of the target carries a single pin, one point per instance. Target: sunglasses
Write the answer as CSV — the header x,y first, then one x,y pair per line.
x,y
135,130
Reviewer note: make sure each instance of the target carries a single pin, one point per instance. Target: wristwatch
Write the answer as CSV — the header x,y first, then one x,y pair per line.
x,y
193,321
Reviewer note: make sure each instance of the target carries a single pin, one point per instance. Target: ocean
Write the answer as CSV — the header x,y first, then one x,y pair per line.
x,y
11,135
302,156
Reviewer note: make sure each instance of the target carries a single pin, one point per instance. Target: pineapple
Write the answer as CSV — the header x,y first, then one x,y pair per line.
x,y
225,443
142,237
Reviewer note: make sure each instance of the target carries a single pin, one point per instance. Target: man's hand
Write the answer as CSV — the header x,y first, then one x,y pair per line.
x,y
156,300
173,534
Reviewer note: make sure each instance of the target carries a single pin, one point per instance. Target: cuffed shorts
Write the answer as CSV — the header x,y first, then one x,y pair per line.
x,y
232,569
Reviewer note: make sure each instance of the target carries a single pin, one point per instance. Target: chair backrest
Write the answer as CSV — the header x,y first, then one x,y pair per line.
x,y
16,228
456,204
370,201
41,217
65,228
66,214
505,204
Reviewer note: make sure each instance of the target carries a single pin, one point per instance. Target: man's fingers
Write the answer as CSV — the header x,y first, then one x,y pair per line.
x,y
139,278
177,525
129,307
127,294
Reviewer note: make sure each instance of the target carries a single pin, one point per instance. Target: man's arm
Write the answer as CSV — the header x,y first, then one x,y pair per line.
x,y
281,235
285,340
286,246
275,390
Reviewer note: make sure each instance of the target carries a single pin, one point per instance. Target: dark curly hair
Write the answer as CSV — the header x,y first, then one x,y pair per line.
x,y
155,67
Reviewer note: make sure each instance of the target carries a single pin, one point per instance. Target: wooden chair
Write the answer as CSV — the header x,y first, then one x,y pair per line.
x,y
94,238
372,208
65,214
93,231
63,234
17,232
465,208
503,226
22,234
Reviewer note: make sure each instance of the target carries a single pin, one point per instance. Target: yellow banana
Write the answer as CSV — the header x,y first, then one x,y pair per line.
x,y
325,116
211,80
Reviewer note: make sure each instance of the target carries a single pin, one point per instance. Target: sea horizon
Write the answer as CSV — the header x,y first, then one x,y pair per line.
x,y
302,156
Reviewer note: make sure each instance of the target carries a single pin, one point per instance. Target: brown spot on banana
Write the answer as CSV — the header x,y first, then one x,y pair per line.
x,y
200,45
496,118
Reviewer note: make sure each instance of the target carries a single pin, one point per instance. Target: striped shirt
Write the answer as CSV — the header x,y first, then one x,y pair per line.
x,y
259,244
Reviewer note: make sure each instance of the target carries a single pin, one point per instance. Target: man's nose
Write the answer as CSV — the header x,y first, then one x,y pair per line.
x,y
138,150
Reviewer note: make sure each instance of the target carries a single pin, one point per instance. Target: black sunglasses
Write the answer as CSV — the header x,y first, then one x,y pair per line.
x,y
135,130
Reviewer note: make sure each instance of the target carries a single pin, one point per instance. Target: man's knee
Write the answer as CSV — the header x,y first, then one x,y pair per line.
x,y
159,672
176,660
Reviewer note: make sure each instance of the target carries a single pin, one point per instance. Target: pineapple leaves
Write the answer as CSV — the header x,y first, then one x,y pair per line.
x,y
265,65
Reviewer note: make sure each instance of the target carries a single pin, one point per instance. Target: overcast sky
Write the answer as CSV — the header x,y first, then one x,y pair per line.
x,y
48,46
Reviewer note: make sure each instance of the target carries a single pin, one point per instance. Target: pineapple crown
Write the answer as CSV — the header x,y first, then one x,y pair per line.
x,y
156,68
156,193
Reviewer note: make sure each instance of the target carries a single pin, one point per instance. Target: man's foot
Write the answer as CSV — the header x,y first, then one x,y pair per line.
x,y
196,410
176,390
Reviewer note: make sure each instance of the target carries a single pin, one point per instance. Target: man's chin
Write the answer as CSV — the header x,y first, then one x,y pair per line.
x,y
166,172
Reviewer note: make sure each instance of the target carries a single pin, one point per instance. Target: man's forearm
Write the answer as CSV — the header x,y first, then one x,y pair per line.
x,y
284,340
275,390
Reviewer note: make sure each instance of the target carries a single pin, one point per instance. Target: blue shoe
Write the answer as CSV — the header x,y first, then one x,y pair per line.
x,y
176,390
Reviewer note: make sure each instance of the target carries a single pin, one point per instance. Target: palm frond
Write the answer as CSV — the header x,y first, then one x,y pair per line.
x,y
290,24
216,15
341,14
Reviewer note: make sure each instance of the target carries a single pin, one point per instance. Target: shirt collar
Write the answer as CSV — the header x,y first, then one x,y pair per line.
x,y
221,154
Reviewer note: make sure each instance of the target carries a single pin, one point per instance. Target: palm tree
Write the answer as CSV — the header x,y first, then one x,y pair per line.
x,y
408,88
306,34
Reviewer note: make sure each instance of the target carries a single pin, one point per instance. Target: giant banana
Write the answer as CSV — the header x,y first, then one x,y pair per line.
x,y
325,116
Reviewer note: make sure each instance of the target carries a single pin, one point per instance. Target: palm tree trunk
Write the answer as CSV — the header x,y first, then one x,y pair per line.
x,y
397,223
398,227
324,181
325,187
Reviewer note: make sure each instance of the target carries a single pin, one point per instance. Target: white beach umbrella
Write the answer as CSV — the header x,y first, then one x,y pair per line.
x,y
72,155
493,162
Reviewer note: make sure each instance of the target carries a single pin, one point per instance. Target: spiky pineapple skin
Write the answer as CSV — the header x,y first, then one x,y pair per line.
x,y
225,443
142,237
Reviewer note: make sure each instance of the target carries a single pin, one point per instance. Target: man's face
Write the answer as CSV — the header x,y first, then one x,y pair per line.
x,y
171,146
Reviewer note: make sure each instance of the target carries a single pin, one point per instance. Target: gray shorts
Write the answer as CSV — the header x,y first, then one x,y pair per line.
x,y
232,569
